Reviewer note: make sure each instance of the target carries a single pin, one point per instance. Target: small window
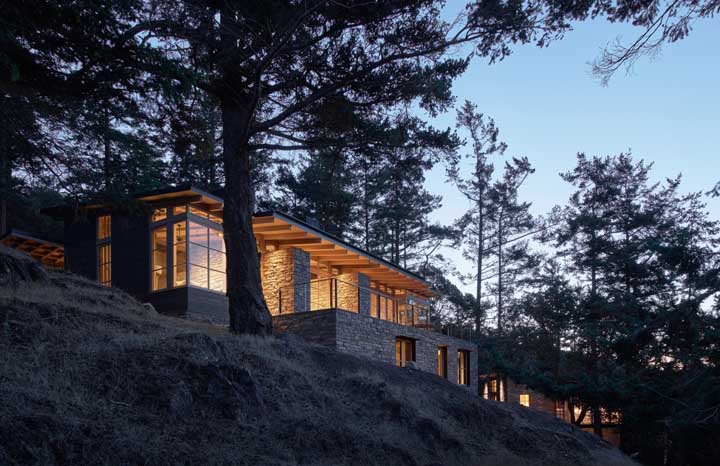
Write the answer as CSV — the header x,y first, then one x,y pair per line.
x,y
103,227
159,258
404,351
105,264
442,361
525,399
159,214
179,209
463,367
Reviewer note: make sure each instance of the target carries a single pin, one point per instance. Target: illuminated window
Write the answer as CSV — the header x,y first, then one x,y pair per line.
x,y
104,251
179,210
442,361
103,227
463,367
525,399
404,351
206,256
180,254
159,258
104,264
159,214
560,409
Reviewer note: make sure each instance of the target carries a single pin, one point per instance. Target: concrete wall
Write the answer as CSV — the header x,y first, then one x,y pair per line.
x,y
373,338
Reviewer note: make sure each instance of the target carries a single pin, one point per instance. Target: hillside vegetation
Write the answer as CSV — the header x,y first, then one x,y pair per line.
x,y
88,376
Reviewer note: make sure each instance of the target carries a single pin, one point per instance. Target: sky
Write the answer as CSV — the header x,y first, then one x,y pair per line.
x,y
548,108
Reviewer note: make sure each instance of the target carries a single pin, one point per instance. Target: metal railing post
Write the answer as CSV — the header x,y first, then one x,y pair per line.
x,y
280,309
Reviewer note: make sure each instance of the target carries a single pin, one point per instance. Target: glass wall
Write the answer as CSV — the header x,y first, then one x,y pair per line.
x,y
197,257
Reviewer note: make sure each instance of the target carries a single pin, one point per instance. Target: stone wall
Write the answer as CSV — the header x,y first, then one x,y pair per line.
x,y
373,338
287,270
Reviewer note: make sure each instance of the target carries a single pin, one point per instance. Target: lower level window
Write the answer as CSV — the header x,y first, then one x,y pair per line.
x,y
442,361
104,264
525,399
463,367
404,351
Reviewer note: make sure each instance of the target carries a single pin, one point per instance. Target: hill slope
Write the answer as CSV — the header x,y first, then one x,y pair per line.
x,y
88,376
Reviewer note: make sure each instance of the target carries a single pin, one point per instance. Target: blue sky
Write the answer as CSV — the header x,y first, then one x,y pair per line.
x,y
548,107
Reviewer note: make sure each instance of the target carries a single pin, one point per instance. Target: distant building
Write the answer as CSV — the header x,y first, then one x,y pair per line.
x,y
503,389
171,253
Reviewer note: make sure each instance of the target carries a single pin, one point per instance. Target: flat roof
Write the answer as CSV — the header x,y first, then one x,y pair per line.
x,y
46,252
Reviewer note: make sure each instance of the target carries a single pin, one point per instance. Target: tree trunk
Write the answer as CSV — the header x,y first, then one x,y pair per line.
x,y
247,308
500,273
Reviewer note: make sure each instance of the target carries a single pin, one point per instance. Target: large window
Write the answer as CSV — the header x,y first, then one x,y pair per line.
x,y
463,367
206,255
159,258
442,361
404,351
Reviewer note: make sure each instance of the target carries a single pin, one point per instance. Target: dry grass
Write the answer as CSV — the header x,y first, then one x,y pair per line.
x,y
90,377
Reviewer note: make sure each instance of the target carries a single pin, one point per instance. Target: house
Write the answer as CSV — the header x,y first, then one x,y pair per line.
x,y
169,250
503,389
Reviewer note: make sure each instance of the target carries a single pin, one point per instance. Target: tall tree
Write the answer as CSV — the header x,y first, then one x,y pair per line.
x,y
476,187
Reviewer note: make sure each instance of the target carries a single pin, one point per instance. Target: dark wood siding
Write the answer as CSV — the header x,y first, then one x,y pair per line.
x,y
170,302
131,254
80,247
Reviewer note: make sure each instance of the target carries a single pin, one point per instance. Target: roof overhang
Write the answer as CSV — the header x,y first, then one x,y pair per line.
x,y
284,231
189,194
46,252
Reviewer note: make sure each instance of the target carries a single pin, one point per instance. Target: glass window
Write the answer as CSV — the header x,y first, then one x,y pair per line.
x,y
159,258
198,276
198,234
198,255
104,264
159,214
404,351
216,240
180,254
463,367
103,227
442,361
179,209
525,399
217,281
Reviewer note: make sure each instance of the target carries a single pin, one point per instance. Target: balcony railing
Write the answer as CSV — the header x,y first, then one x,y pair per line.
x,y
332,293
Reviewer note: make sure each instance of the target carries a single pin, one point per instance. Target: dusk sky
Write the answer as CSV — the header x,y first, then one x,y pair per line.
x,y
548,107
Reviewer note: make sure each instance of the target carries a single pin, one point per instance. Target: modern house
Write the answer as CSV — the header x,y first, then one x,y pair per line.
x,y
169,250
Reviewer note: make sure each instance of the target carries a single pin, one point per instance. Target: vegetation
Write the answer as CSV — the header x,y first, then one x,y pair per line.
x,y
90,376
312,107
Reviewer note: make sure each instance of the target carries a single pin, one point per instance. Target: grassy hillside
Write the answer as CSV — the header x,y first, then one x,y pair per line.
x,y
88,376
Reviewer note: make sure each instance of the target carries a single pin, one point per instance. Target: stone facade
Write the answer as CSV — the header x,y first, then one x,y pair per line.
x,y
286,270
353,293
373,338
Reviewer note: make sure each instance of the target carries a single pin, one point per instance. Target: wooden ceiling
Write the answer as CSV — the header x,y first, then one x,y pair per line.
x,y
46,252
276,231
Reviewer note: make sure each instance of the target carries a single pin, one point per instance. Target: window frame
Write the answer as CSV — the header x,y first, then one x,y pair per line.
x,y
102,242
402,343
463,370
178,213
442,369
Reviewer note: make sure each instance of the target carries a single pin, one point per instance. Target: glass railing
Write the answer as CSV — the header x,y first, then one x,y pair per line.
x,y
332,293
